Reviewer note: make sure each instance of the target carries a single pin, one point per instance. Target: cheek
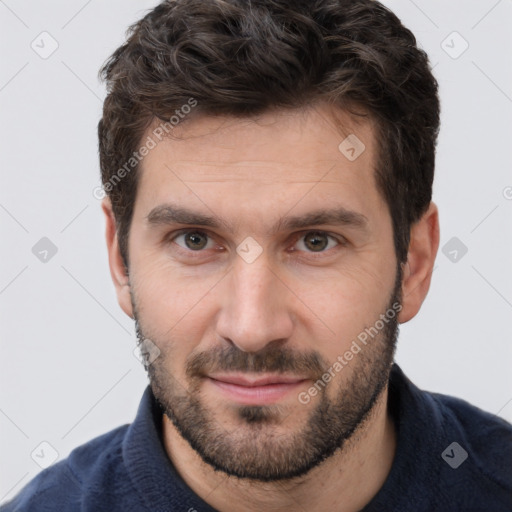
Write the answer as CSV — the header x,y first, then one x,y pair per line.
x,y
341,305
168,291
172,310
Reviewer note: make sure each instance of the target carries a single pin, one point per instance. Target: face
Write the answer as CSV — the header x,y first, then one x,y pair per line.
x,y
262,268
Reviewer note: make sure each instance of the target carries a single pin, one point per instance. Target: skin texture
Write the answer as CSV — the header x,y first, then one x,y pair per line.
x,y
291,311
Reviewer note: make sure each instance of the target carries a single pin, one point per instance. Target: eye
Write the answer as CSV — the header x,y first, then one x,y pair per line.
x,y
193,240
317,242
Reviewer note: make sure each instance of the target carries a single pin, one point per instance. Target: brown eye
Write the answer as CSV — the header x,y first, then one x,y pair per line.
x,y
192,240
316,241
195,240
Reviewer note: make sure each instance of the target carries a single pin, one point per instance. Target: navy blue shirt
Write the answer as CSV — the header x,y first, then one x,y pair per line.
x,y
451,456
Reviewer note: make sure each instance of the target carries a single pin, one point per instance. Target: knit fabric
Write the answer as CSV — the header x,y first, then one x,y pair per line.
x,y
450,457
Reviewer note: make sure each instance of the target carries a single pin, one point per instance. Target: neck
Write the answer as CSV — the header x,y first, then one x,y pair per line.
x,y
345,482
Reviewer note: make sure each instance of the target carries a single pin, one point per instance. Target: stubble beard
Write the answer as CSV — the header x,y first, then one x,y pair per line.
x,y
256,448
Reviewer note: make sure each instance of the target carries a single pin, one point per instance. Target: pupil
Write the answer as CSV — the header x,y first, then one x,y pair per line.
x,y
315,243
195,238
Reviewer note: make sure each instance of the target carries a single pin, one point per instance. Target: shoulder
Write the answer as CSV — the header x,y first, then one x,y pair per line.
x,y
451,455
488,438
475,459
89,469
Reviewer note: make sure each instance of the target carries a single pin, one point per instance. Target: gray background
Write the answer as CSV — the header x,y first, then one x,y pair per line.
x,y
68,372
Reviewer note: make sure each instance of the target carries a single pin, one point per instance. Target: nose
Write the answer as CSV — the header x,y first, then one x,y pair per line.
x,y
256,304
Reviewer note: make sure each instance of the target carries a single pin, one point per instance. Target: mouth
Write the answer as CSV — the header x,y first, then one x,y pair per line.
x,y
261,390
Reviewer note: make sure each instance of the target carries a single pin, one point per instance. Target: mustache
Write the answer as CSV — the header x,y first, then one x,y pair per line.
x,y
271,359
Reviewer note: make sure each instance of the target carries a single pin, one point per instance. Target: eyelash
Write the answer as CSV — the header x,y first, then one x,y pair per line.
x,y
340,240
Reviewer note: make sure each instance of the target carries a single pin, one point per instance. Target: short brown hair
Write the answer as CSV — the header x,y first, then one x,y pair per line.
x,y
244,57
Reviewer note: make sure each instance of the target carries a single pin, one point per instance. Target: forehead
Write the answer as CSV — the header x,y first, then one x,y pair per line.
x,y
307,156
309,138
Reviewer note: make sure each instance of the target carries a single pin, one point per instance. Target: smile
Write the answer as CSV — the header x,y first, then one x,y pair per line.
x,y
263,390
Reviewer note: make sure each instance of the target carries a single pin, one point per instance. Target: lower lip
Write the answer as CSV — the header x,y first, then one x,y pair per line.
x,y
255,395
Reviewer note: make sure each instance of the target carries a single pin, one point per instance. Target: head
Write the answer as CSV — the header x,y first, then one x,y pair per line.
x,y
269,169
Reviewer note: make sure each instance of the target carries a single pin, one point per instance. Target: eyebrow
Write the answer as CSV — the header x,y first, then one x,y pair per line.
x,y
166,214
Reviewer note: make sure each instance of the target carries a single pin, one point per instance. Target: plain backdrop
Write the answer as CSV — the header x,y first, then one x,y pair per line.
x,y
68,371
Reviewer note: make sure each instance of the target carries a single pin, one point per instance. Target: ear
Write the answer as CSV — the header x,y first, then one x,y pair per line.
x,y
423,245
117,269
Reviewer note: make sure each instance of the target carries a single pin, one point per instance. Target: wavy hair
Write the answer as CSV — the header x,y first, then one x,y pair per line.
x,y
245,57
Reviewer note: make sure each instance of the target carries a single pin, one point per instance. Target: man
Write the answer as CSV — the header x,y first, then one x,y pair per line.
x,y
268,168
